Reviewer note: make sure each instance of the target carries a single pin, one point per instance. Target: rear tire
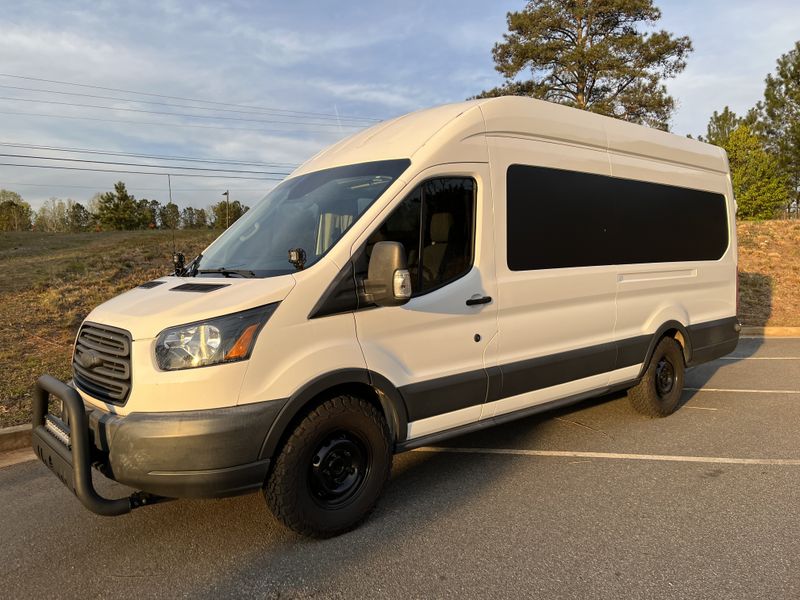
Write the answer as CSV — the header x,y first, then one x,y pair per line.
x,y
659,392
330,472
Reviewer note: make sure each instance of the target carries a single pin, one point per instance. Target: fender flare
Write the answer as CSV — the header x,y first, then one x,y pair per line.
x,y
659,333
390,398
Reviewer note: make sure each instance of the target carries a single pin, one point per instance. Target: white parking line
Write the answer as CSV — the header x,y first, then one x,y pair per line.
x,y
759,358
785,462
706,389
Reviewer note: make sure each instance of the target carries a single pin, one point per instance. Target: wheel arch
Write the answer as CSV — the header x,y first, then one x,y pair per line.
x,y
364,383
677,331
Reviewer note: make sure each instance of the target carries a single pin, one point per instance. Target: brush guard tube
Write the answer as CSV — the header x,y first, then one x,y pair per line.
x,y
64,448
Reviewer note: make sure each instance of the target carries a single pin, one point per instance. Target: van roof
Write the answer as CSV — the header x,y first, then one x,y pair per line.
x,y
520,117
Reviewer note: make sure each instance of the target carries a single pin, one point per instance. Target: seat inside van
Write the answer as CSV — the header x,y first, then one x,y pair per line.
x,y
434,254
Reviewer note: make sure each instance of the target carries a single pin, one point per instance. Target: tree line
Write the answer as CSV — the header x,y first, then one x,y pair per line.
x,y
607,57
112,211
763,145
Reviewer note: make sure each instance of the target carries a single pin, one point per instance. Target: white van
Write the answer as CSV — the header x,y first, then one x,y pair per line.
x,y
438,273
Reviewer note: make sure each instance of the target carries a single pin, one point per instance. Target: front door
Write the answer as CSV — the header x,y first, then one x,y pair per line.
x,y
436,347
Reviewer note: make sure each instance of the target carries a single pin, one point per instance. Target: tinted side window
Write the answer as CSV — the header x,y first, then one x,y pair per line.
x,y
558,218
436,224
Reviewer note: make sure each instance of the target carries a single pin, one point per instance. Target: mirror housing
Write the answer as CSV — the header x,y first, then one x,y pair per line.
x,y
388,281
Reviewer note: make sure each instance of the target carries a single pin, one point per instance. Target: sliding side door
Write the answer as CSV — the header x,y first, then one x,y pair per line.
x,y
556,306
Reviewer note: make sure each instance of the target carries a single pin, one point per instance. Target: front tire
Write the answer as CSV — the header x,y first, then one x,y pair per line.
x,y
332,468
659,392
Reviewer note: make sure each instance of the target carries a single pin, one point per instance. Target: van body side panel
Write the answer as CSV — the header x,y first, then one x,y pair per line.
x,y
546,315
692,293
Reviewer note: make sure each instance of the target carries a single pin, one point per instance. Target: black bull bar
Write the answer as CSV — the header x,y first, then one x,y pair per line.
x,y
63,445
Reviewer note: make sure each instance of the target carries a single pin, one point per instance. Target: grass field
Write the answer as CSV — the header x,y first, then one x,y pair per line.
x,y
50,282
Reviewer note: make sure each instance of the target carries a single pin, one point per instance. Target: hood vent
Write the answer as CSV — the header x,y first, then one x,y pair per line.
x,y
151,284
199,287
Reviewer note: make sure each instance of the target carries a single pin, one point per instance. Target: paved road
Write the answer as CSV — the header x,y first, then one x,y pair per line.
x,y
623,515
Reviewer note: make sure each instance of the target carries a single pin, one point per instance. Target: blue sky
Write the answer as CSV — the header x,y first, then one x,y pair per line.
x,y
355,59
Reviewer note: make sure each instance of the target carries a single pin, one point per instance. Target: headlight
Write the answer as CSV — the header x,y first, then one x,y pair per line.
x,y
220,340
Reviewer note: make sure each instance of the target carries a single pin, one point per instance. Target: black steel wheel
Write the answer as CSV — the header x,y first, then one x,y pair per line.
x,y
658,394
329,474
338,469
665,377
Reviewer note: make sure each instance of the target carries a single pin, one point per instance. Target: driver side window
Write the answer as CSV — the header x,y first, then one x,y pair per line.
x,y
436,225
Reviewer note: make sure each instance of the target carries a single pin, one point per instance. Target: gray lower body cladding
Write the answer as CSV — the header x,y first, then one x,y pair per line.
x,y
202,453
706,341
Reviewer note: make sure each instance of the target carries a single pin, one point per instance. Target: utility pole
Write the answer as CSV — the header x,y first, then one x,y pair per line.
x,y
227,195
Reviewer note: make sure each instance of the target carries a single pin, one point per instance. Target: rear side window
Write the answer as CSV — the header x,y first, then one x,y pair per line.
x,y
436,224
558,219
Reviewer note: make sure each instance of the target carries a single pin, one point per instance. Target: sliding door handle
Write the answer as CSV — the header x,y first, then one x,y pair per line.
x,y
482,300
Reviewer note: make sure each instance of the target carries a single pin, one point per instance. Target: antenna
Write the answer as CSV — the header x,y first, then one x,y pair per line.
x,y
178,259
169,184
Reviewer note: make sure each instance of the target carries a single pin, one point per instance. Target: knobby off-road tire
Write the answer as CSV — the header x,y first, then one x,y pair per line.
x,y
659,392
332,469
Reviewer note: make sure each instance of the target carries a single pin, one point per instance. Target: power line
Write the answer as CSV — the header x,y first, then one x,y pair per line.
x,y
2,164
110,89
154,156
174,114
143,189
163,124
149,166
359,120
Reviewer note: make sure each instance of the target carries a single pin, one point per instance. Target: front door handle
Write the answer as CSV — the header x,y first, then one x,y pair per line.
x,y
482,300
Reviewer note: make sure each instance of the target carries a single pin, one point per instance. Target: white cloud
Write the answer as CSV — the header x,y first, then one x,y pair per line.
x,y
359,58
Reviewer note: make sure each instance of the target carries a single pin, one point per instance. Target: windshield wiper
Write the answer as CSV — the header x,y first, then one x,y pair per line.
x,y
228,272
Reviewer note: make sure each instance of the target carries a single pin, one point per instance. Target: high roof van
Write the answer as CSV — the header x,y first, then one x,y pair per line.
x,y
435,274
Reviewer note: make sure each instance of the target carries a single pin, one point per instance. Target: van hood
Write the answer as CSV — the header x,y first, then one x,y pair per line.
x,y
147,310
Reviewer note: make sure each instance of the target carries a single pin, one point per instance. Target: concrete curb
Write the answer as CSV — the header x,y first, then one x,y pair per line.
x,y
770,332
14,438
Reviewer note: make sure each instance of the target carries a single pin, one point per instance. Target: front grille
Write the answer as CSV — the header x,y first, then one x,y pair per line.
x,y
101,363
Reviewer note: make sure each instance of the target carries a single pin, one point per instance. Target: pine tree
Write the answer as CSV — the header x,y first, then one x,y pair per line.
x,y
720,127
118,209
78,218
760,187
593,55
780,116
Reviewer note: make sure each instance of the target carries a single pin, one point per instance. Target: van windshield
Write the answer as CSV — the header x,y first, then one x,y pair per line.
x,y
310,212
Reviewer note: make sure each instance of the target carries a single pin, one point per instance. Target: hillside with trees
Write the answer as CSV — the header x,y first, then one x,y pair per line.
x,y
116,210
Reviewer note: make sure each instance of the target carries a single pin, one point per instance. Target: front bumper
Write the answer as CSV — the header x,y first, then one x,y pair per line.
x,y
205,453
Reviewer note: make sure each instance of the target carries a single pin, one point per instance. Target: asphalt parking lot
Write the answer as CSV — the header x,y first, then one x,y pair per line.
x,y
589,502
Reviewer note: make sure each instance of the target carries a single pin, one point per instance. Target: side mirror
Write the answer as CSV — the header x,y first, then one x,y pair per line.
x,y
388,281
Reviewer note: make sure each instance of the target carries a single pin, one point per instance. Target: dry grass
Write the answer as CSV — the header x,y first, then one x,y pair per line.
x,y
769,273
50,282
